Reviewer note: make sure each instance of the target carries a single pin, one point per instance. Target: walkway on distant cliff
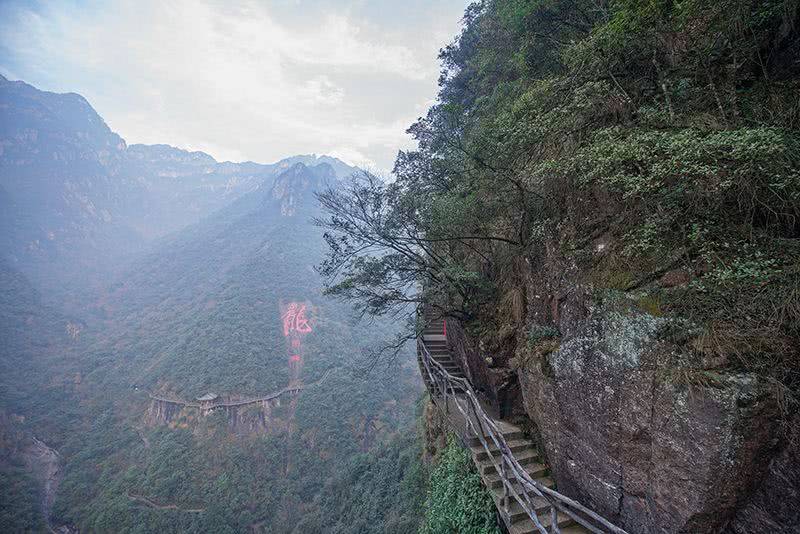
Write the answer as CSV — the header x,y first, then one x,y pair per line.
x,y
218,403
509,463
151,504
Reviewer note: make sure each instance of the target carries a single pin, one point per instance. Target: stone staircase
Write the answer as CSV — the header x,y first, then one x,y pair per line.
x,y
525,452
436,342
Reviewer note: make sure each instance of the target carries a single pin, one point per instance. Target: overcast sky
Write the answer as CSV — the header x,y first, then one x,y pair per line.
x,y
249,80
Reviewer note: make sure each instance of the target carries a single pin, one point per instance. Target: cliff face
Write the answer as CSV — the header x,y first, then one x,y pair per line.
x,y
269,416
633,424
636,444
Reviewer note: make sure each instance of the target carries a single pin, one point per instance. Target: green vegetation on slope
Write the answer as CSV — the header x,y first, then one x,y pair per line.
x,y
648,146
19,511
457,501
202,312
380,491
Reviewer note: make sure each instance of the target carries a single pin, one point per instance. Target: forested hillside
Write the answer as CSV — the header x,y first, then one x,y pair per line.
x,y
101,425
638,138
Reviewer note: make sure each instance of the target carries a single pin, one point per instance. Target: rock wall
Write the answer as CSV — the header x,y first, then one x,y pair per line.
x,y
775,505
630,438
261,417
637,427
435,429
491,376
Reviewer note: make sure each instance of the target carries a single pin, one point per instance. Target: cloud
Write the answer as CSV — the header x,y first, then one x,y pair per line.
x,y
243,80
322,90
352,156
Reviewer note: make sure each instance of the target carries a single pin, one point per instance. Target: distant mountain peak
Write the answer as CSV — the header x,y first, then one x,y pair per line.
x,y
339,167
296,185
168,153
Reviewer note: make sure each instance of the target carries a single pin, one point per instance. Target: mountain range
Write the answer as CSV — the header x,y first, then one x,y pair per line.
x,y
76,201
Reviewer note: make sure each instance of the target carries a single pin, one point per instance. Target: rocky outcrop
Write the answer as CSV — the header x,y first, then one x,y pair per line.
x,y
257,417
45,464
295,187
489,374
631,437
762,511
637,427
435,430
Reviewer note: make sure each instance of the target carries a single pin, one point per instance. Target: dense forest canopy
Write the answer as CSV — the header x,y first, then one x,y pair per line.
x,y
101,428
633,138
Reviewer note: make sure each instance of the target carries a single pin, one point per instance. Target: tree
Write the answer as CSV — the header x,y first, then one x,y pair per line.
x,y
396,246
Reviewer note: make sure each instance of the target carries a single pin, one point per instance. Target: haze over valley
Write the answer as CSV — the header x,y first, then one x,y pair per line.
x,y
138,279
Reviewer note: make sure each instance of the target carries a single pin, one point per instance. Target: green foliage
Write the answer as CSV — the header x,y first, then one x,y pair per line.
x,y
202,313
19,510
537,333
457,501
381,491
668,128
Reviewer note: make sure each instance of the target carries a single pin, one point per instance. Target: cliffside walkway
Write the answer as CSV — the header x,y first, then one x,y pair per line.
x,y
509,463
152,504
210,405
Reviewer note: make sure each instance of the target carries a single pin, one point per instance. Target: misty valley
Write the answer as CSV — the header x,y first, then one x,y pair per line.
x,y
164,332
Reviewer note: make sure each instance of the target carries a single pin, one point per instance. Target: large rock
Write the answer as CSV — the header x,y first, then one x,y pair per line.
x,y
489,375
775,505
635,432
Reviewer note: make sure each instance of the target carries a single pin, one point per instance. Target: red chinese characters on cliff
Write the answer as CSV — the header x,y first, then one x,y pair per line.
x,y
294,319
295,326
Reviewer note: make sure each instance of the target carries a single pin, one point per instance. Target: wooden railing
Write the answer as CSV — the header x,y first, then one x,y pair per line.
x,y
450,390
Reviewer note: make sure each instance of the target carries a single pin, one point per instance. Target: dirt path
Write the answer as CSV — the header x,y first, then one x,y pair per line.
x,y
152,504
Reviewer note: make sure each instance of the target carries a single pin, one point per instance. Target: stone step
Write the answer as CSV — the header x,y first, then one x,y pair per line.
x,y
443,358
515,512
524,458
515,445
454,374
565,524
444,362
493,479
459,387
438,350
512,433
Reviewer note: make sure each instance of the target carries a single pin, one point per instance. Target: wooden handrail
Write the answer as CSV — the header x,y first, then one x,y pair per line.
x,y
243,402
478,422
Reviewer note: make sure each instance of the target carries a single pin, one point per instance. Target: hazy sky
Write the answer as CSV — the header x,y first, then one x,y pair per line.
x,y
240,80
